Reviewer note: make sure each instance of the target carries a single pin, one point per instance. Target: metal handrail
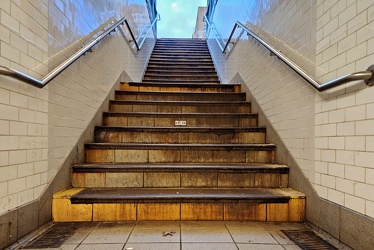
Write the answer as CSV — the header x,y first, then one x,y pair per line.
x,y
367,76
55,72
157,18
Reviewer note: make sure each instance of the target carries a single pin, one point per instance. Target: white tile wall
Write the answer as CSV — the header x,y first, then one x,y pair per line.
x,y
39,127
337,38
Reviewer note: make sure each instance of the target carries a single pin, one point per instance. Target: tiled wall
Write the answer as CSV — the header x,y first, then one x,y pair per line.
x,y
329,134
344,136
39,127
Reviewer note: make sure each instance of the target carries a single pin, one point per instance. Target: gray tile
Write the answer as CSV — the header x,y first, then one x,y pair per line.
x,y
154,235
291,247
8,229
205,235
244,225
277,226
168,225
100,247
68,247
109,233
152,246
203,225
27,219
281,238
253,236
209,246
80,234
259,247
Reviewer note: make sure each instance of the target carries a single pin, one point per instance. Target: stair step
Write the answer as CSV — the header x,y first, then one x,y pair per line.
x,y
187,176
185,82
180,74
185,67
179,153
181,52
277,205
172,55
104,134
133,119
177,195
180,168
178,96
180,87
176,61
207,71
180,62
179,107
181,78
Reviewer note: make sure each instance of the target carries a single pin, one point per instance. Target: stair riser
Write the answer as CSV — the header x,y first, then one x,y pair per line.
x,y
160,53
151,121
181,47
159,87
179,179
179,137
178,56
187,68
171,108
181,81
177,156
194,72
181,97
293,211
200,63
180,78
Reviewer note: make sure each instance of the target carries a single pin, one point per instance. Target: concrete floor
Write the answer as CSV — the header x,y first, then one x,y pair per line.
x,y
186,235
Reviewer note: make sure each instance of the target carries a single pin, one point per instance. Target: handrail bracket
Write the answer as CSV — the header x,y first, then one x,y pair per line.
x,y
370,82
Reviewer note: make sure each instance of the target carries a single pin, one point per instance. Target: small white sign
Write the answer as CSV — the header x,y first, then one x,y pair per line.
x,y
180,123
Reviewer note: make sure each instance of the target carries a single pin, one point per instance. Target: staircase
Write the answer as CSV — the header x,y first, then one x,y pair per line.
x,y
179,146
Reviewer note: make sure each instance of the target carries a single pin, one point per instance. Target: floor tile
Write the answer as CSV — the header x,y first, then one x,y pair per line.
x,y
281,238
154,235
291,247
169,225
100,247
205,235
67,247
245,236
152,246
80,234
209,246
203,225
244,225
109,233
259,247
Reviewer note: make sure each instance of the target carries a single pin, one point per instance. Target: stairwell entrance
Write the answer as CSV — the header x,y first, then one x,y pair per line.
x,y
179,146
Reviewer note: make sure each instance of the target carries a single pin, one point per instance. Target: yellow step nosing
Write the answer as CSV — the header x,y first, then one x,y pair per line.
x,y
67,194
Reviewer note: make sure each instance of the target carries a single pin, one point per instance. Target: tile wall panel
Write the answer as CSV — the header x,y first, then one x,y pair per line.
x,y
329,134
39,127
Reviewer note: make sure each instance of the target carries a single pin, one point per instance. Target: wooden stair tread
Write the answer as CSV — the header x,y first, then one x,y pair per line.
x,y
184,103
222,130
184,84
168,146
156,114
224,168
185,195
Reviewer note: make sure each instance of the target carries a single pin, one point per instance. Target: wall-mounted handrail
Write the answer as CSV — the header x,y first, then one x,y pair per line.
x,y
216,35
55,72
157,18
367,76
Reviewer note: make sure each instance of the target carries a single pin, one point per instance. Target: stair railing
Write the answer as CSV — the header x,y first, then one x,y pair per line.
x,y
55,72
367,76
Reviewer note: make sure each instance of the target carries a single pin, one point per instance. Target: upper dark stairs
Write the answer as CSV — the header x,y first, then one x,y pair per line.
x,y
179,146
